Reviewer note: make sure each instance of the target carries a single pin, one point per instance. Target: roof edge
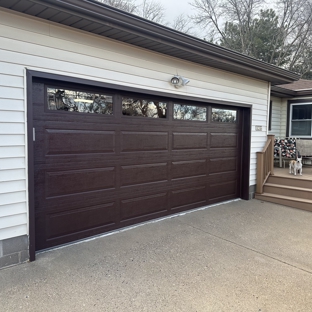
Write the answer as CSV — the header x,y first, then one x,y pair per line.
x,y
282,92
219,56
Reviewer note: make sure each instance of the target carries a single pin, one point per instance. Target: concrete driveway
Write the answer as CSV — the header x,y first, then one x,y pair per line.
x,y
238,256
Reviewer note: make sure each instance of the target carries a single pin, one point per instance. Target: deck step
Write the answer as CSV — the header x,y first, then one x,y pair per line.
x,y
295,202
295,181
289,191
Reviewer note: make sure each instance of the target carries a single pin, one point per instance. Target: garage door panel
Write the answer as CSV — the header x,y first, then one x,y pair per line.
x,y
136,207
79,141
224,189
224,153
162,187
74,221
189,141
88,124
220,140
132,123
77,181
224,128
188,196
144,141
185,155
188,169
223,176
223,165
77,162
62,119
142,174
77,201
49,145
62,227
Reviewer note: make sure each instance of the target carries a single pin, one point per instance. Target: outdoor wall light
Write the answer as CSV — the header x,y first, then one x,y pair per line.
x,y
179,81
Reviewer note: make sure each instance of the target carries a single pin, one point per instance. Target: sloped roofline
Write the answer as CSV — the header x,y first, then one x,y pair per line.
x,y
106,21
286,93
302,87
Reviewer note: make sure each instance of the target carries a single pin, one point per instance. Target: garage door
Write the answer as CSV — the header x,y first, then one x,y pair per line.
x,y
105,160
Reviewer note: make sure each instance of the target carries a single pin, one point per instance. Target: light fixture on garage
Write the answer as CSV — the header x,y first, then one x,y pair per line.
x,y
179,81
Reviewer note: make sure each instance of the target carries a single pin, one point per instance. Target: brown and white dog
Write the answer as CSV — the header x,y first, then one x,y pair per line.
x,y
295,166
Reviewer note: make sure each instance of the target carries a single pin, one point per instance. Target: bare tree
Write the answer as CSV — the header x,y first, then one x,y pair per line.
x,y
183,24
296,32
125,5
213,14
244,25
152,11
149,9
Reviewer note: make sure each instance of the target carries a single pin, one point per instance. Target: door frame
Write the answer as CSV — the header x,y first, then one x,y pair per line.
x,y
31,75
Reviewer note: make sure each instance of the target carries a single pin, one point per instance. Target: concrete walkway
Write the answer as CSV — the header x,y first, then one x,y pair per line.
x,y
240,256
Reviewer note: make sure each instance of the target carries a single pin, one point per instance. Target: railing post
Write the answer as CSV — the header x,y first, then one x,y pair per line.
x,y
265,164
260,172
271,153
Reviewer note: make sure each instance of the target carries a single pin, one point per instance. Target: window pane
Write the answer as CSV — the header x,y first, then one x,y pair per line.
x,y
77,101
144,108
301,112
301,128
189,112
223,115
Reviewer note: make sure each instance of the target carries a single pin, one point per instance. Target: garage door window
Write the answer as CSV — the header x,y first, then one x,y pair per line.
x,y
189,112
223,115
79,101
143,108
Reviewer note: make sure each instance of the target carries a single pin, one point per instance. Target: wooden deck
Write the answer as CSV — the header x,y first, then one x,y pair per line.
x,y
284,172
277,185
288,189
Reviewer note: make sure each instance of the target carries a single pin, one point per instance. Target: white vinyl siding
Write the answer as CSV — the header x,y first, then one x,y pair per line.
x,y
276,117
45,46
13,196
283,117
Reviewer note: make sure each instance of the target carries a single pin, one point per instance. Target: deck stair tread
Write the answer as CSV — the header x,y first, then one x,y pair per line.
x,y
289,181
308,201
292,177
289,187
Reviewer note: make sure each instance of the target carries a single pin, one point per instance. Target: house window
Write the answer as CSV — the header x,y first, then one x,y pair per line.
x,y
300,119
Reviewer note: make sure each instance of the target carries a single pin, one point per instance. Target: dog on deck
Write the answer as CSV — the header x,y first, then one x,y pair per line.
x,y
295,166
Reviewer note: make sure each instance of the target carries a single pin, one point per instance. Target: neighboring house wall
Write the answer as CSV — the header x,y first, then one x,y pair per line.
x,y
31,43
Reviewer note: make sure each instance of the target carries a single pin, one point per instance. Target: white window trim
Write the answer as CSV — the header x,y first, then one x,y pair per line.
x,y
290,121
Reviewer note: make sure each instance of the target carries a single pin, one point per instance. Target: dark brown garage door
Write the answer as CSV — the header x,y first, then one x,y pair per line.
x,y
106,160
